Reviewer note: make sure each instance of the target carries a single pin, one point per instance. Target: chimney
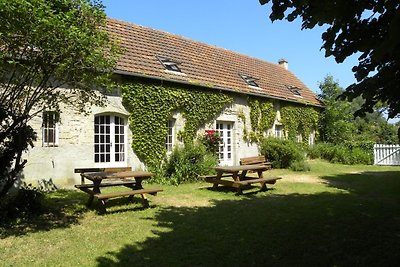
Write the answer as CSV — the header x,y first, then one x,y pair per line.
x,y
284,63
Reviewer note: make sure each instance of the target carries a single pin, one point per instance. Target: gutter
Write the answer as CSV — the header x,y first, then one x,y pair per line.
x,y
126,73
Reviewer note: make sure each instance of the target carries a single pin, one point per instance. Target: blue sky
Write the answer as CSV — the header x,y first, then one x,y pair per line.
x,y
242,26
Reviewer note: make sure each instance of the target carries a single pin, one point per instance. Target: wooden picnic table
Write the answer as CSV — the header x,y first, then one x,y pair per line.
x,y
239,176
130,179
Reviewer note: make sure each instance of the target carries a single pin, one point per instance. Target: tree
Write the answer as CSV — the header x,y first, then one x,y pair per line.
x,y
338,125
52,53
368,28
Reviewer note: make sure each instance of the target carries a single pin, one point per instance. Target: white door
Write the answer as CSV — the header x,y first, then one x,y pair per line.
x,y
109,141
226,146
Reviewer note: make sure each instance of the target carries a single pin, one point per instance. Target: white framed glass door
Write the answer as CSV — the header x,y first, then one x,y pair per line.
x,y
225,153
109,141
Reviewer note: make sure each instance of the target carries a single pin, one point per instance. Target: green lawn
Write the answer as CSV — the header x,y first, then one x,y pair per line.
x,y
335,215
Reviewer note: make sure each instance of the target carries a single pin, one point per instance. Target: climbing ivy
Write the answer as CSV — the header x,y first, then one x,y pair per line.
x,y
262,117
151,106
298,119
295,119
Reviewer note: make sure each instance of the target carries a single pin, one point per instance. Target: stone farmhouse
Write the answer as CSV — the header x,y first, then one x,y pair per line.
x,y
150,57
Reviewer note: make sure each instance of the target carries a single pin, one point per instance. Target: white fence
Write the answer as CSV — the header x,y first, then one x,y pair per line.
x,y
386,154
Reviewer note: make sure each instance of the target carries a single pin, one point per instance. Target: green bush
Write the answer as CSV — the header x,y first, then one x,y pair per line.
x,y
300,166
26,202
349,153
282,153
185,164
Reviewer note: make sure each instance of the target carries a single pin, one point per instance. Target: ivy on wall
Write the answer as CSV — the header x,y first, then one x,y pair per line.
x,y
298,119
151,106
262,117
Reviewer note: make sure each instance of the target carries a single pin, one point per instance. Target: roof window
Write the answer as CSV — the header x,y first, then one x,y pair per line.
x,y
169,64
295,90
251,81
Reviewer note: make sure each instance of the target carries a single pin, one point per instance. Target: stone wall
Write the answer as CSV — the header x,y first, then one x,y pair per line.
x,y
76,142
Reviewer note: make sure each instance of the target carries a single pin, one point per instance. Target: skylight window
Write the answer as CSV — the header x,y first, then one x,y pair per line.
x,y
295,90
169,64
251,81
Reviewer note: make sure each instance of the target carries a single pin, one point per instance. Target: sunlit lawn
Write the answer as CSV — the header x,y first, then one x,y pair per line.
x,y
334,215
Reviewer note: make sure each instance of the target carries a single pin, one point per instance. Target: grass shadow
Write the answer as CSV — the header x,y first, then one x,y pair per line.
x,y
60,209
248,190
348,227
369,182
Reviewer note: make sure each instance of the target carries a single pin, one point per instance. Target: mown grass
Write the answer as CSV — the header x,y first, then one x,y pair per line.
x,y
335,215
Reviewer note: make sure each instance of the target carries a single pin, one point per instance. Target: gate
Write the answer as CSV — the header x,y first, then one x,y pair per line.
x,y
386,154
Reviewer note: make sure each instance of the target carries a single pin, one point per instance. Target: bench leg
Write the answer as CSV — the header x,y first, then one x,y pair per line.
x,y
239,190
263,186
103,209
90,200
145,201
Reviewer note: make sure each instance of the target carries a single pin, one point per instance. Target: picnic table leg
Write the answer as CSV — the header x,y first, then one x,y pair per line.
x,y
96,190
219,176
145,201
236,178
263,184
138,185
103,209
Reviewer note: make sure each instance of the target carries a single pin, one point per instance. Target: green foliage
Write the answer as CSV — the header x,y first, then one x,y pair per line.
x,y
296,119
336,118
300,166
282,153
338,124
27,201
368,28
262,117
348,153
46,45
185,164
299,120
211,140
151,106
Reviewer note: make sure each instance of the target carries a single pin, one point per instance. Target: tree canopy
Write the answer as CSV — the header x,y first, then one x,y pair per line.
x,y
338,125
51,53
367,28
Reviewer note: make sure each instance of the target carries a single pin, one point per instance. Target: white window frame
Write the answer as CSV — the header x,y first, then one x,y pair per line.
x,y
226,147
278,129
299,138
112,134
170,138
54,128
311,138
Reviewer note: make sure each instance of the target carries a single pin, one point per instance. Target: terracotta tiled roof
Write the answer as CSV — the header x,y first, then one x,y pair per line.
x,y
201,64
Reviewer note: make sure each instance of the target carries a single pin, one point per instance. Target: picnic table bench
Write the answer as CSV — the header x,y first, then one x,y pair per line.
x,y
239,176
257,160
109,177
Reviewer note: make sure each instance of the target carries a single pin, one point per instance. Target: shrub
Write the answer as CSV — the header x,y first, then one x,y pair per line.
x,y
282,153
185,164
347,153
26,202
300,166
